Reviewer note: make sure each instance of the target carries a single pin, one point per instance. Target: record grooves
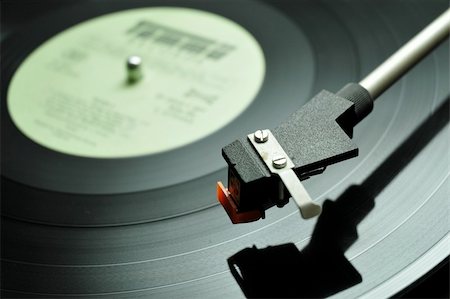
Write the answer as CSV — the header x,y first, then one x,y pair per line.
x,y
133,175
150,226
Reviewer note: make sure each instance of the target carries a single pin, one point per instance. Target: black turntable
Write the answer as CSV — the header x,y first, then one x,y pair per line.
x,y
110,164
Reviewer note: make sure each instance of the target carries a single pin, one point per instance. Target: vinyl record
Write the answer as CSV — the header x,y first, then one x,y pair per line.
x,y
144,180
150,226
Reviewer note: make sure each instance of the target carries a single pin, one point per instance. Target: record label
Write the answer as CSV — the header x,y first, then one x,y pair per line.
x,y
200,71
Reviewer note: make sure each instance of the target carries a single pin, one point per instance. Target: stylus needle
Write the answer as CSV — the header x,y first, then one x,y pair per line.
x,y
267,163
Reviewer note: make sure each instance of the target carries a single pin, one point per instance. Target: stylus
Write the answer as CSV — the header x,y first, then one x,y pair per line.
x,y
266,167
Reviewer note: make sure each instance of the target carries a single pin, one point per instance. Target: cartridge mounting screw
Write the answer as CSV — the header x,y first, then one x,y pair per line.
x,y
279,161
261,136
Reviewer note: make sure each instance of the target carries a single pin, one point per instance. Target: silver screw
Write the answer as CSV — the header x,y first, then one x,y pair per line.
x,y
279,161
134,68
261,136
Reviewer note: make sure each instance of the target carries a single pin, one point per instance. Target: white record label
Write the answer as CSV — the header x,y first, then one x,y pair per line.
x,y
200,71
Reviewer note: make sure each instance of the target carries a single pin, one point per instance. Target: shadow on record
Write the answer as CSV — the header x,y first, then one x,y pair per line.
x,y
321,268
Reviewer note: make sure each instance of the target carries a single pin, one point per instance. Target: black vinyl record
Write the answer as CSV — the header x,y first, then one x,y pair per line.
x,y
97,180
150,226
